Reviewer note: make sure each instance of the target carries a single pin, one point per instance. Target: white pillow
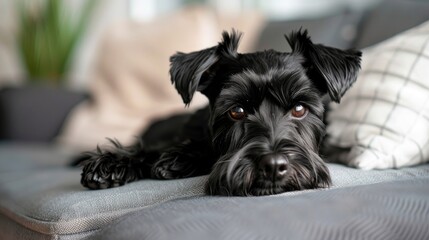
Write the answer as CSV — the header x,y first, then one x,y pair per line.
x,y
383,120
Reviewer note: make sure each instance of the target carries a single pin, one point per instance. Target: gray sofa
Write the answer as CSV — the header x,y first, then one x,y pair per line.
x,y
41,197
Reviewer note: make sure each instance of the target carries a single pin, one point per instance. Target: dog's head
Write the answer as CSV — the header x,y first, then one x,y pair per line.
x,y
267,112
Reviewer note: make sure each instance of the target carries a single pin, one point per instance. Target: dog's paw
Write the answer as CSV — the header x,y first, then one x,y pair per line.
x,y
100,174
105,169
95,179
173,165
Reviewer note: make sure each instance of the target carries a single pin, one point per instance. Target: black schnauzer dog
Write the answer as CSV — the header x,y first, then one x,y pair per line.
x,y
261,131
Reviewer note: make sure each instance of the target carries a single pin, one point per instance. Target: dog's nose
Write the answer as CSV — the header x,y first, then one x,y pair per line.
x,y
273,166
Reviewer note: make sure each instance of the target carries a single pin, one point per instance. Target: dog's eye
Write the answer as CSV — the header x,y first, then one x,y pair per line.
x,y
237,113
299,110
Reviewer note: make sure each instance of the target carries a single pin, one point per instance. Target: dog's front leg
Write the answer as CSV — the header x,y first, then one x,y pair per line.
x,y
187,159
115,166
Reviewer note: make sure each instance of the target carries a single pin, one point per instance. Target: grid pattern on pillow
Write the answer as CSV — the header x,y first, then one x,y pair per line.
x,y
383,121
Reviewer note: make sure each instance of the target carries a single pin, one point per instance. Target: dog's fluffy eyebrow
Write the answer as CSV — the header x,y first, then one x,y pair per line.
x,y
249,74
287,86
252,82
283,85
241,89
292,87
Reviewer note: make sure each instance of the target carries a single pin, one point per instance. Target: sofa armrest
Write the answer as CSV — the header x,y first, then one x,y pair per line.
x,y
34,113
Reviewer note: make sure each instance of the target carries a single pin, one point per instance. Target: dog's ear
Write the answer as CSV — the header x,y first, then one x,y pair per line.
x,y
191,72
332,69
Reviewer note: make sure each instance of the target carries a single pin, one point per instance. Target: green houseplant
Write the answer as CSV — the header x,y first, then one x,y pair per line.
x,y
48,33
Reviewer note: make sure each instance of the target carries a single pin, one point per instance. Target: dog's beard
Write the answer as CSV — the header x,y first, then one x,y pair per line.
x,y
238,174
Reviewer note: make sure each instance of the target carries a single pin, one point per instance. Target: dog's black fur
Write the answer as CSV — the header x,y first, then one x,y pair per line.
x,y
260,133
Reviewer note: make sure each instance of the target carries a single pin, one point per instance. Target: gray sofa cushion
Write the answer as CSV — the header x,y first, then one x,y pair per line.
x,y
41,194
337,29
393,210
390,17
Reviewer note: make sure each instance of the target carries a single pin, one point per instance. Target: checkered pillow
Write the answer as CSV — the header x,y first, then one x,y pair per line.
x,y
383,121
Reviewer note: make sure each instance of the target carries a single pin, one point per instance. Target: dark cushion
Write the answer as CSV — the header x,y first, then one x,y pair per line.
x,y
389,18
34,113
338,30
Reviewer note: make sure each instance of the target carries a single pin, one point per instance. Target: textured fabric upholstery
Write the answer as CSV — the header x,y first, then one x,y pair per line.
x,y
41,194
393,210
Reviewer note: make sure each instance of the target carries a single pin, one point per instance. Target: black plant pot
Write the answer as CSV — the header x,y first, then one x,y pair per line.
x,y
34,113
